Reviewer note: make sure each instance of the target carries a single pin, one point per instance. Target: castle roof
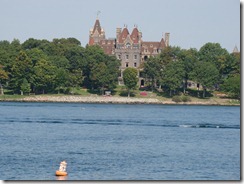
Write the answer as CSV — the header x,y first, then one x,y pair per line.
x,y
235,50
91,41
123,35
97,26
108,45
135,35
150,46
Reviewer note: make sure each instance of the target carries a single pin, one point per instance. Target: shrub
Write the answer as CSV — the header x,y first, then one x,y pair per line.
x,y
176,99
185,98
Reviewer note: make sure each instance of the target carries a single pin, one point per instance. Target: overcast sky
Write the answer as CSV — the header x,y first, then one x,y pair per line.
x,y
191,23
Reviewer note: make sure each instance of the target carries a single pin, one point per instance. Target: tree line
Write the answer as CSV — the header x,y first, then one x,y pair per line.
x,y
57,66
212,67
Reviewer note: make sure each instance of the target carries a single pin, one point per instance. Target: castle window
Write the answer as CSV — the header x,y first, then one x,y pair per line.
x,y
127,45
135,64
127,56
135,56
126,65
119,56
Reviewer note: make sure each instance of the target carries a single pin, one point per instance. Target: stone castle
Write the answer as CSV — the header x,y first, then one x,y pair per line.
x,y
130,49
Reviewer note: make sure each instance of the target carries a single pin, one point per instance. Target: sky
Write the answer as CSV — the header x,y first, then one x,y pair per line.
x,y
191,23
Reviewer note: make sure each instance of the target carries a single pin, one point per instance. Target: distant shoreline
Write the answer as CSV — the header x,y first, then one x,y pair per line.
x,y
115,100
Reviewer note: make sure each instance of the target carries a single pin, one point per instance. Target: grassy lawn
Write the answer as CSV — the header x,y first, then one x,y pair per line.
x,y
121,91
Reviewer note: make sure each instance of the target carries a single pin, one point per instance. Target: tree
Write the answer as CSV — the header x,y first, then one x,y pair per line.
x,y
100,76
25,87
152,70
113,65
232,85
130,79
22,69
36,55
206,74
233,64
3,77
44,76
173,75
188,59
62,79
31,43
214,53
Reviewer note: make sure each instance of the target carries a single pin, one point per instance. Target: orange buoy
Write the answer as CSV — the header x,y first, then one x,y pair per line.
x,y
61,173
62,169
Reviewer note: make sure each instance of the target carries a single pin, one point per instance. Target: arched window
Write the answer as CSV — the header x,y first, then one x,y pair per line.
x,y
145,58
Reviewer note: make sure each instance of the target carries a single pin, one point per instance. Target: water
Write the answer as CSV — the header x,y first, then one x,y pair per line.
x,y
119,142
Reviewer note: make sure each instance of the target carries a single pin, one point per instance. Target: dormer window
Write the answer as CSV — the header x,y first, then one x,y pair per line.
x,y
127,45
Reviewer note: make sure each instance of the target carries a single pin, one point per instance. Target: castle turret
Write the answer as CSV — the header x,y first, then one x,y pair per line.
x,y
235,50
96,33
166,39
118,32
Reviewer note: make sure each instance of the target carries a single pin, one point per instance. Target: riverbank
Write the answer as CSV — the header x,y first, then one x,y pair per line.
x,y
117,100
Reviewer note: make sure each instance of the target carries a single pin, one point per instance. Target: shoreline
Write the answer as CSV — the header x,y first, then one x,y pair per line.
x,y
115,100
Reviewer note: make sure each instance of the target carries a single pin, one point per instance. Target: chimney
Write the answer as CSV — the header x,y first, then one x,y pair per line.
x,y
167,39
118,32
140,36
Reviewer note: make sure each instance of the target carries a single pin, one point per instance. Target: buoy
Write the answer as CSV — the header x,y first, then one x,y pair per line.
x,y
62,169
61,173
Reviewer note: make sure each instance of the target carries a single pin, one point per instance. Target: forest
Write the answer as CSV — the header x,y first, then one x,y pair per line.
x,y
52,67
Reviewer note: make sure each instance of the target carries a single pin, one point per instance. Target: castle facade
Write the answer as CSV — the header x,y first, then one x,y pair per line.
x,y
130,49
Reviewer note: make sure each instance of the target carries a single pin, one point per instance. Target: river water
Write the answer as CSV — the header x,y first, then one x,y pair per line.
x,y
119,142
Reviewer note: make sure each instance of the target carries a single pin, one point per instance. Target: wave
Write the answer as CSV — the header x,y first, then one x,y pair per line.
x,y
210,126
118,122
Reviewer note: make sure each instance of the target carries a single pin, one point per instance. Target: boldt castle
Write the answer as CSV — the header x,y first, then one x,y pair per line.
x,y
130,49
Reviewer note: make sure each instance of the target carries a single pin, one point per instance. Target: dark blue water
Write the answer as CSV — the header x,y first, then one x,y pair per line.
x,y
119,142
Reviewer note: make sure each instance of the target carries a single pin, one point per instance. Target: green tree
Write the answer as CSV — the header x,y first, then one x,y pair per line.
x,y
62,80
153,70
100,76
113,65
25,87
130,79
22,69
3,78
206,74
233,64
173,75
76,78
188,59
31,43
36,55
214,53
232,85
44,76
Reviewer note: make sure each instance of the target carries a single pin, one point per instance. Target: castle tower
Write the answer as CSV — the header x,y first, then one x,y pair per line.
x,y
166,39
235,50
118,32
96,33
